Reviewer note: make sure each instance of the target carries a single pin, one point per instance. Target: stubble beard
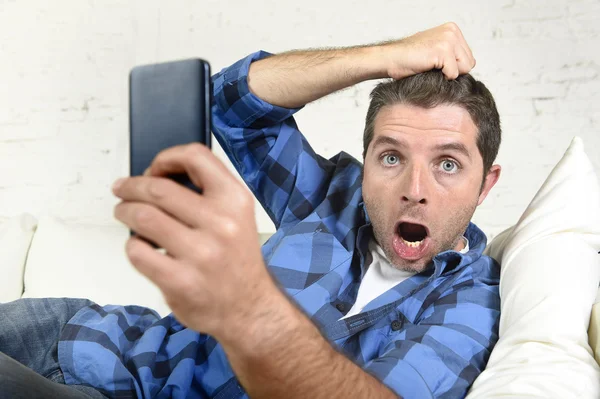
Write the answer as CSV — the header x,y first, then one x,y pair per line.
x,y
446,234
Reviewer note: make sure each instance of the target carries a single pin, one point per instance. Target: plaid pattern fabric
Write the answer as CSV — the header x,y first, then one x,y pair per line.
x,y
430,336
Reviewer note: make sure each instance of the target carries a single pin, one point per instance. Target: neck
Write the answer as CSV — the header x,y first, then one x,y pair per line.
x,y
461,245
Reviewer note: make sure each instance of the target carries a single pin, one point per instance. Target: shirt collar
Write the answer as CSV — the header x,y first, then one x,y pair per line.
x,y
365,215
451,260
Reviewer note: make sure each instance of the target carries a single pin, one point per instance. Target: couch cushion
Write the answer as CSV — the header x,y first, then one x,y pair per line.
x,y
550,271
86,261
15,238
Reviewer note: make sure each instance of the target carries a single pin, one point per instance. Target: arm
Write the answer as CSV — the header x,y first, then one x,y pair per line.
x,y
283,355
266,147
253,119
296,78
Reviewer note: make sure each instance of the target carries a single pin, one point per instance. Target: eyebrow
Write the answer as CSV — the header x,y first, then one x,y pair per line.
x,y
458,147
382,140
455,146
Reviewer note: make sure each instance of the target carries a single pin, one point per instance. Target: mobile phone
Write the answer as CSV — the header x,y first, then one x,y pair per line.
x,y
169,105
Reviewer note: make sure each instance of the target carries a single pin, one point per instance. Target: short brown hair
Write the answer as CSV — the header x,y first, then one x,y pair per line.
x,y
430,89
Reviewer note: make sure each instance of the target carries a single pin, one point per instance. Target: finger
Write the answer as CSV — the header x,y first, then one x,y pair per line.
x,y
463,61
463,43
159,268
450,67
153,224
204,169
174,199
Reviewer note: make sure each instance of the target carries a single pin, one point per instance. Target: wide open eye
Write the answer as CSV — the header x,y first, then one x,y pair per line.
x,y
449,166
390,159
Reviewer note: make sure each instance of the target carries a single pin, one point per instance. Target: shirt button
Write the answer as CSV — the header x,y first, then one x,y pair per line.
x,y
396,325
340,307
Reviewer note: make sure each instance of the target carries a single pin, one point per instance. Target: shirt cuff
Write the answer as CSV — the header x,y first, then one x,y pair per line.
x,y
239,106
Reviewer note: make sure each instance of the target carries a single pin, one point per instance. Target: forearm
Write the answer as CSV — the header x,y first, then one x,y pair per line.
x,y
296,78
282,355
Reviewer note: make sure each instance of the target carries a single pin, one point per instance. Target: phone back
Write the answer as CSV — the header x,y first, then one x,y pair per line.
x,y
169,105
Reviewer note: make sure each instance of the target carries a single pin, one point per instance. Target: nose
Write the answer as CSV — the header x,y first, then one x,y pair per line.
x,y
414,185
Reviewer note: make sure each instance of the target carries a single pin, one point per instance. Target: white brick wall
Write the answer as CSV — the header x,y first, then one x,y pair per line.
x,y
64,67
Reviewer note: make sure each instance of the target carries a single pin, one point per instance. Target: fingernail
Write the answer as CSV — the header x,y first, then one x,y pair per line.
x,y
118,183
147,172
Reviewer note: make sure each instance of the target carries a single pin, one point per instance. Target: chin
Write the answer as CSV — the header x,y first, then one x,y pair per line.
x,y
416,267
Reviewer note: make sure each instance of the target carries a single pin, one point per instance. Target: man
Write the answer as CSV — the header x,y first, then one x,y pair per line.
x,y
376,285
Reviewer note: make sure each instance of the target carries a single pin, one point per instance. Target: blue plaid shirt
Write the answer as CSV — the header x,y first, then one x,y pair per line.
x,y
430,336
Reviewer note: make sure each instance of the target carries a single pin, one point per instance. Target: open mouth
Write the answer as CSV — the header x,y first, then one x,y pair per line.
x,y
411,240
412,234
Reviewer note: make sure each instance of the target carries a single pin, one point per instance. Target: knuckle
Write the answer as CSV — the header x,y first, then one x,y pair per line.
x,y
449,36
118,211
453,26
230,228
195,149
245,200
193,152
436,60
158,188
133,252
160,158
144,217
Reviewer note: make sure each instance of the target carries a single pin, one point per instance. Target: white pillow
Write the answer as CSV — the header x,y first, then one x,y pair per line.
x,y
15,238
594,331
87,261
550,271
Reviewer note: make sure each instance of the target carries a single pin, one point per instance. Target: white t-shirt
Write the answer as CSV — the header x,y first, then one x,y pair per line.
x,y
380,277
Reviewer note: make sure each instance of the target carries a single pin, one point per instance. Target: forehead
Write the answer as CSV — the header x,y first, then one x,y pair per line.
x,y
441,123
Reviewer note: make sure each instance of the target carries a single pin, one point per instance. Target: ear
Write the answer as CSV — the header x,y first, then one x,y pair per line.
x,y
490,180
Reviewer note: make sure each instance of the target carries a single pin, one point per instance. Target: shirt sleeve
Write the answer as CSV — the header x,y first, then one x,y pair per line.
x,y
266,147
441,355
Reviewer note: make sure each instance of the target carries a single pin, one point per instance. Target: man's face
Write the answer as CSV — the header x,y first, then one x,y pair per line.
x,y
422,181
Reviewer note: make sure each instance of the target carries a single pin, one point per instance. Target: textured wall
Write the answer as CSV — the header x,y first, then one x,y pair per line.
x,y
64,67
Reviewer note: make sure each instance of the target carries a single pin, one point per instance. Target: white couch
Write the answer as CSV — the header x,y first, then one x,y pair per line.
x,y
51,258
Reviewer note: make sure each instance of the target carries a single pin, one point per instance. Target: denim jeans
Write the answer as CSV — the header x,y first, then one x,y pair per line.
x,y
29,333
